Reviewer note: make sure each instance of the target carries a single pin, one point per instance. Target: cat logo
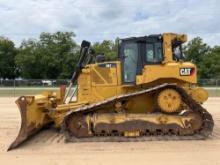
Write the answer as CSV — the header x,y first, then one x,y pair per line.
x,y
186,71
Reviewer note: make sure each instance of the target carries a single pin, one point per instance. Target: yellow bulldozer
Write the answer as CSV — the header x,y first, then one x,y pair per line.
x,y
150,92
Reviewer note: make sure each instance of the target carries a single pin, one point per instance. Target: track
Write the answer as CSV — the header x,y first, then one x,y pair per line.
x,y
203,133
54,136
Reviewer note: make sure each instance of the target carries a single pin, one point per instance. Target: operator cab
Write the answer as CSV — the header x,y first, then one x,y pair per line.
x,y
136,52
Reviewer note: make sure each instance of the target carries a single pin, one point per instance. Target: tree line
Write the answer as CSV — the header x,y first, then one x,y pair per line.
x,y
54,56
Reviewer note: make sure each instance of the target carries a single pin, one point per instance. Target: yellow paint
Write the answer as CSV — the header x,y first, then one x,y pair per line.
x,y
156,118
97,83
167,44
169,100
132,133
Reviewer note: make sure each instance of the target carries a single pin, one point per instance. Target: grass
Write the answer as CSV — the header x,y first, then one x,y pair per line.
x,y
16,92
214,92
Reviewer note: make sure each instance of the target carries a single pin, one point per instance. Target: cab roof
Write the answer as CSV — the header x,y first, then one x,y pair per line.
x,y
150,38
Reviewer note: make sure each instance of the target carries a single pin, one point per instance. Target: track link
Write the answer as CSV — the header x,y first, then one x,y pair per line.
x,y
203,133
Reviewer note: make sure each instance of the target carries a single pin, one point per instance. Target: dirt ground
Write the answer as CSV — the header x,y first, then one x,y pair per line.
x,y
49,147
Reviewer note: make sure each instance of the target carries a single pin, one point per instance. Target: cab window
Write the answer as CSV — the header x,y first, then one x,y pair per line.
x,y
153,52
150,52
130,61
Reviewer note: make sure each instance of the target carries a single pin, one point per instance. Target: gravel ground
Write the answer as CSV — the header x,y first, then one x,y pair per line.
x,y
48,147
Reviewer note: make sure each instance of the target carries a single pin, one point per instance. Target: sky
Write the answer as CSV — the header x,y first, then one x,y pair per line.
x,y
98,20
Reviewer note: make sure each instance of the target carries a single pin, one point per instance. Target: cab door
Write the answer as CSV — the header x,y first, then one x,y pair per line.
x,y
129,55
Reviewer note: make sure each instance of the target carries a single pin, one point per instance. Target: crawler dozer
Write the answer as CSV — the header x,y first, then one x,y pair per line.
x,y
150,92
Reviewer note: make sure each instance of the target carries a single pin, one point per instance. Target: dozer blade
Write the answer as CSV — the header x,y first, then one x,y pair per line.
x,y
33,118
